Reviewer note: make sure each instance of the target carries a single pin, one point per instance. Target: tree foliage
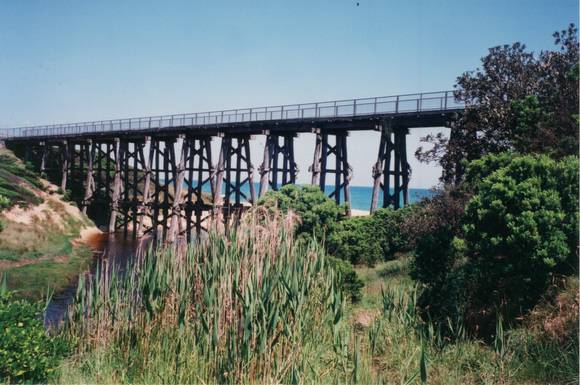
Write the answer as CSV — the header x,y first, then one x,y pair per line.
x,y
388,229
318,213
445,209
319,219
372,238
354,240
519,229
516,101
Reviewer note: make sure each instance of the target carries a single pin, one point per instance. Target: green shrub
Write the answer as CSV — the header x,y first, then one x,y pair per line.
x,y
354,240
434,257
388,229
351,284
520,227
436,254
27,353
318,213
4,202
371,238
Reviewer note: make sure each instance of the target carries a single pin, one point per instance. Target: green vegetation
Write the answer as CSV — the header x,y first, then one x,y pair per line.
x,y
17,182
27,353
318,214
527,213
251,307
370,239
35,279
318,219
394,336
37,248
477,285
354,240
348,279
518,234
257,307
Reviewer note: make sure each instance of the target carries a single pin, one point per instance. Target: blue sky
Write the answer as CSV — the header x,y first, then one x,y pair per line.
x,y
71,60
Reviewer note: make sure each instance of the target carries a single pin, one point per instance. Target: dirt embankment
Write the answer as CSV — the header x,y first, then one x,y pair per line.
x,y
31,235
43,238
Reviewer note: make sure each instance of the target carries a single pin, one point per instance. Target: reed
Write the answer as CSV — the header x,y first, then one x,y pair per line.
x,y
249,307
256,307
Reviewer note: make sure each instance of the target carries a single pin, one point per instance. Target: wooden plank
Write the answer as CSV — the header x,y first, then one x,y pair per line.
x,y
143,211
177,198
90,179
116,187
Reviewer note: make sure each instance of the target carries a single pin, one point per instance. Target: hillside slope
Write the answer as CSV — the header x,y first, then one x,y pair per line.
x,y
41,237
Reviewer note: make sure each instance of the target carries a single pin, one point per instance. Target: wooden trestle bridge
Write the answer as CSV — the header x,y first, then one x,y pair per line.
x,y
148,174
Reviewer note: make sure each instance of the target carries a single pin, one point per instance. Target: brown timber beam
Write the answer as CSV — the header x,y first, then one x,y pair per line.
x,y
65,165
270,170
177,198
391,162
116,187
342,170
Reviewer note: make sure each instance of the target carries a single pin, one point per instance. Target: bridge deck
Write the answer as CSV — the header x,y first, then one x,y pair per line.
x,y
410,110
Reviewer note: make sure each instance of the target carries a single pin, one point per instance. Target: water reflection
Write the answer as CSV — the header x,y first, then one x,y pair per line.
x,y
116,249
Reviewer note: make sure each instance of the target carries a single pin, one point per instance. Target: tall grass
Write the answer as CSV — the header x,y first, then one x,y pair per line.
x,y
255,307
250,307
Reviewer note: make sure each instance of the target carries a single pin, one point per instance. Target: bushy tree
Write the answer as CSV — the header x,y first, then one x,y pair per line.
x,y
517,100
355,240
434,257
387,227
372,238
519,228
443,210
318,213
350,282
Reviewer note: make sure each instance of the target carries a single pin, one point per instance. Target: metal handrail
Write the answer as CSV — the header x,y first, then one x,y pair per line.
x,y
383,105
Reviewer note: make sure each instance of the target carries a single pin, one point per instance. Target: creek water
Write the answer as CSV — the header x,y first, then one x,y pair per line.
x,y
117,249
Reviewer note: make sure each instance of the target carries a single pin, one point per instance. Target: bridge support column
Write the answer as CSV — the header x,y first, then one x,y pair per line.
x,y
199,173
177,198
43,158
78,158
31,153
391,162
163,177
65,165
90,179
102,156
143,211
342,171
315,168
116,186
28,154
234,161
131,162
264,168
269,169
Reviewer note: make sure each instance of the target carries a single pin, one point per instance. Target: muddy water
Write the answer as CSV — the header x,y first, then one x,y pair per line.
x,y
118,250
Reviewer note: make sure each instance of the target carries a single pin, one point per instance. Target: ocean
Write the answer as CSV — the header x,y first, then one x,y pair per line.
x,y
360,196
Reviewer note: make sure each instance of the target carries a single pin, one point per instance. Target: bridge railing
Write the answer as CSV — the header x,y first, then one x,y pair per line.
x,y
385,105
